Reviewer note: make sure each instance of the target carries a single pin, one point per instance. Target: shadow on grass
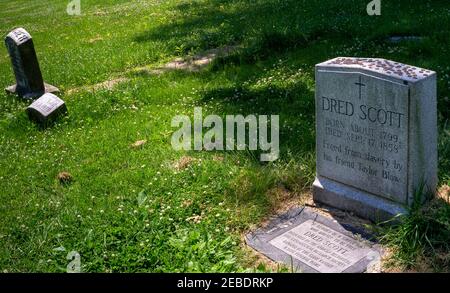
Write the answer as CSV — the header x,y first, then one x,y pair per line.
x,y
294,104
263,27
268,29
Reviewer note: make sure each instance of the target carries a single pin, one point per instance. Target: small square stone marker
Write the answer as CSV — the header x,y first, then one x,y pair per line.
x,y
29,82
376,135
311,243
46,109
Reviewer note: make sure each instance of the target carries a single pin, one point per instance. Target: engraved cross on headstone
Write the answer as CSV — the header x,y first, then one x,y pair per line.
x,y
29,82
360,84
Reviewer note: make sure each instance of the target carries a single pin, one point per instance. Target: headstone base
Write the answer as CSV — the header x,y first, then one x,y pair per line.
x,y
48,89
351,199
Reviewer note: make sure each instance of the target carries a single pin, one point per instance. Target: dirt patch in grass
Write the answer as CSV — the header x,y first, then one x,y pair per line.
x,y
255,259
65,177
138,144
283,200
196,219
190,63
391,265
218,158
183,163
444,193
95,39
105,85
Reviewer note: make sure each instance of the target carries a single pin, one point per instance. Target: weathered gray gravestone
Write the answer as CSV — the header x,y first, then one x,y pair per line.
x,y
308,242
376,143
29,82
46,109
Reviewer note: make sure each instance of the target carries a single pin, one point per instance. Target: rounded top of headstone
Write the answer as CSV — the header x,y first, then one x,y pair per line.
x,y
382,66
19,36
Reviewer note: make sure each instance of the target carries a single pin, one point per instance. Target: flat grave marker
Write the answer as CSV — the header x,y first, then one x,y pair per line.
x,y
311,243
46,109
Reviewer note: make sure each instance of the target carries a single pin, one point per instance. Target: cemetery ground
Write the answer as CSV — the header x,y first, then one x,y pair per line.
x,y
127,201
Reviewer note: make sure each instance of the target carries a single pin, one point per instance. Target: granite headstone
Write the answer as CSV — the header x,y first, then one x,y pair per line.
x,y
376,135
29,82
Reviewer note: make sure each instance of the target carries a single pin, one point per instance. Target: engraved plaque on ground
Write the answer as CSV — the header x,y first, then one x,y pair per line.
x,y
46,109
308,242
320,247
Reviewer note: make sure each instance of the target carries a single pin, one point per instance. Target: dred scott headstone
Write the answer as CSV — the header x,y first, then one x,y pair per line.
x,y
376,127
29,82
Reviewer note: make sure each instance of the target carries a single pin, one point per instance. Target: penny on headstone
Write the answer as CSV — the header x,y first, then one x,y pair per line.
x,y
308,242
376,135
29,82
46,109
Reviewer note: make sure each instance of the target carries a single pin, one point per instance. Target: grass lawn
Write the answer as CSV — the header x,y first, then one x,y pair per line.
x,y
154,209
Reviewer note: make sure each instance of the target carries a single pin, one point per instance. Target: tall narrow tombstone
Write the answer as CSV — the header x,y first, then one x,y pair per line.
x,y
376,127
29,82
